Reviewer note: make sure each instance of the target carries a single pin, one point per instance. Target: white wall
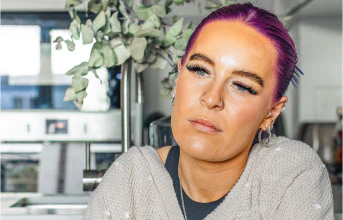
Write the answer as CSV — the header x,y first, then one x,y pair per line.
x,y
320,57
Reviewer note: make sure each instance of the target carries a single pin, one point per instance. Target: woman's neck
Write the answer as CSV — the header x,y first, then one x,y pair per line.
x,y
206,181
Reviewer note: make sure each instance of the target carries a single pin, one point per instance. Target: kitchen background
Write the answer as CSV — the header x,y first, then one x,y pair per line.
x,y
47,143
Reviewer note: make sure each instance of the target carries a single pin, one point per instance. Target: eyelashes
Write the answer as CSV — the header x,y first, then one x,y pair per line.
x,y
200,71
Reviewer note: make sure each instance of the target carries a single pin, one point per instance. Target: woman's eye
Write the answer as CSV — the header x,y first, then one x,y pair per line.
x,y
244,89
199,71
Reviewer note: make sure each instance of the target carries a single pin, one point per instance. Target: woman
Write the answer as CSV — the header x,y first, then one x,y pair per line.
x,y
231,84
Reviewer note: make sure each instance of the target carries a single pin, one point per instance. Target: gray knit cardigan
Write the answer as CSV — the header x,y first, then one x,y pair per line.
x,y
282,180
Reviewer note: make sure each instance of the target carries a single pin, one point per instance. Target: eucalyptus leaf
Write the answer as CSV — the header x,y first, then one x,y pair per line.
x,y
79,83
178,2
80,96
89,23
187,34
168,39
180,44
151,58
159,63
122,54
69,95
115,42
155,20
109,56
70,44
95,60
99,21
125,26
78,104
87,34
122,9
148,33
176,28
72,3
74,29
74,16
133,28
226,2
140,67
58,39
168,10
165,83
159,10
168,3
95,6
137,48
81,69
115,24
58,46
99,36
142,12
187,25
147,25
107,11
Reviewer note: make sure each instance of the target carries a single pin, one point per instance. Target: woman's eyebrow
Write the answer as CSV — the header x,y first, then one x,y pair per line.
x,y
202,57
254,77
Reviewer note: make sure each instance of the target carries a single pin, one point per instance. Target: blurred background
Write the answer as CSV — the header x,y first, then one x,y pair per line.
x,y
46,144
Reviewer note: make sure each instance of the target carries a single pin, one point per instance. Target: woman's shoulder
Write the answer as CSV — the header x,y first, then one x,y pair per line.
x,y
288,152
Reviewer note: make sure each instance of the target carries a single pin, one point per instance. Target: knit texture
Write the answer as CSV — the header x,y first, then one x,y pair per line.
x,y
282,180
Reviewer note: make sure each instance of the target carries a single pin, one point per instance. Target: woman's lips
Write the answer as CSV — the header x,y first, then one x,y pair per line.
x,y
204,126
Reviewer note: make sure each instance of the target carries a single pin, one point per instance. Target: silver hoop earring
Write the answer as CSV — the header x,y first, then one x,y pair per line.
x,y
221,104
172,100
269,132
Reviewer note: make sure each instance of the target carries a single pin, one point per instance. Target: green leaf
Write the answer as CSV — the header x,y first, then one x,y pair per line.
x,y
168,39
168,10
81,69
58,46
72,3
78,104
147,25
148,33
140,67
151,58
137,48
122,9
176,28
87,34
58,39
115,24
80,96
95,59
109,56
159,10
73,15
70,45
133,28
89,23
79,83
178,2
69,95
116,42
155,20
122,54
177,55
180,44
165,83
74,29
226,2
187,34
142,12
99,36
99,21
125,26
159,63
187,25
168,3
95,6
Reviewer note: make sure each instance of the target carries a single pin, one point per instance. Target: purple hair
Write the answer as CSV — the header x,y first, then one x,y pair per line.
x,y
265,23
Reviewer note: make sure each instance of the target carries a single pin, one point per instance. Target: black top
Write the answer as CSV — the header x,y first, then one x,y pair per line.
x,y
194,210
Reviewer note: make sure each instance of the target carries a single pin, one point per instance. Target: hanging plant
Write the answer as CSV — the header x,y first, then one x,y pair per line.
x,y
121,31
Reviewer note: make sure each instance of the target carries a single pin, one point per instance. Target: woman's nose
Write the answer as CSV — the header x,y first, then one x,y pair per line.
x,y
212,98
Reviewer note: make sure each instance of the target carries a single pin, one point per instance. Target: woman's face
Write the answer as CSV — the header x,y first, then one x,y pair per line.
x,y
231,63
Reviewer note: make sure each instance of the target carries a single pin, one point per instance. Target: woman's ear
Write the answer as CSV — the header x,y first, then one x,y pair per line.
x,y
273,113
